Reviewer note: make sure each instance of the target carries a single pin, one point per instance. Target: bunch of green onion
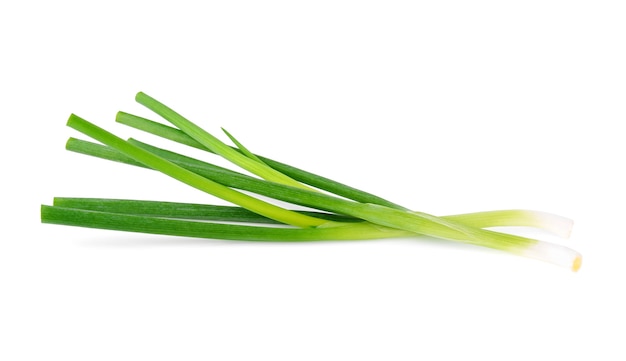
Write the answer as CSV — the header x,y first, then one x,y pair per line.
x,y
338,212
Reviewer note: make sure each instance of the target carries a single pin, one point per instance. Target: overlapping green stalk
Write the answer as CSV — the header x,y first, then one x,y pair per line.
x,y
348,213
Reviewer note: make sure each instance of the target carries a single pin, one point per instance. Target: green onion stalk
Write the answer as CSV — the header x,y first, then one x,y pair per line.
x,y
337,211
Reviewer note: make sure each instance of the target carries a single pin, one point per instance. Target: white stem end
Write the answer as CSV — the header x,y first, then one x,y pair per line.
x,y
555,254
552,223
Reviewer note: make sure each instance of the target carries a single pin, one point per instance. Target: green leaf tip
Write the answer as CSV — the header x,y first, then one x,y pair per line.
x,y
241,147
139,96
73,118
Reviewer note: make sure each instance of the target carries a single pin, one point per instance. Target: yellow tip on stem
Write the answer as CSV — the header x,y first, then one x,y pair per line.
x,y
578,261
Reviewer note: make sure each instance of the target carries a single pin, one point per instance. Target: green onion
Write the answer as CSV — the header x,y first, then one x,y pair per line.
x,y
340,213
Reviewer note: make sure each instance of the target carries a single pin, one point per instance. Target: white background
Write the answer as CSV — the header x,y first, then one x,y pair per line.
x,y
443,106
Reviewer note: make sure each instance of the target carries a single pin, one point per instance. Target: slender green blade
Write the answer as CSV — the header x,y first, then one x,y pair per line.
x,y
186,228
158,129
195,211
241,147
100,151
